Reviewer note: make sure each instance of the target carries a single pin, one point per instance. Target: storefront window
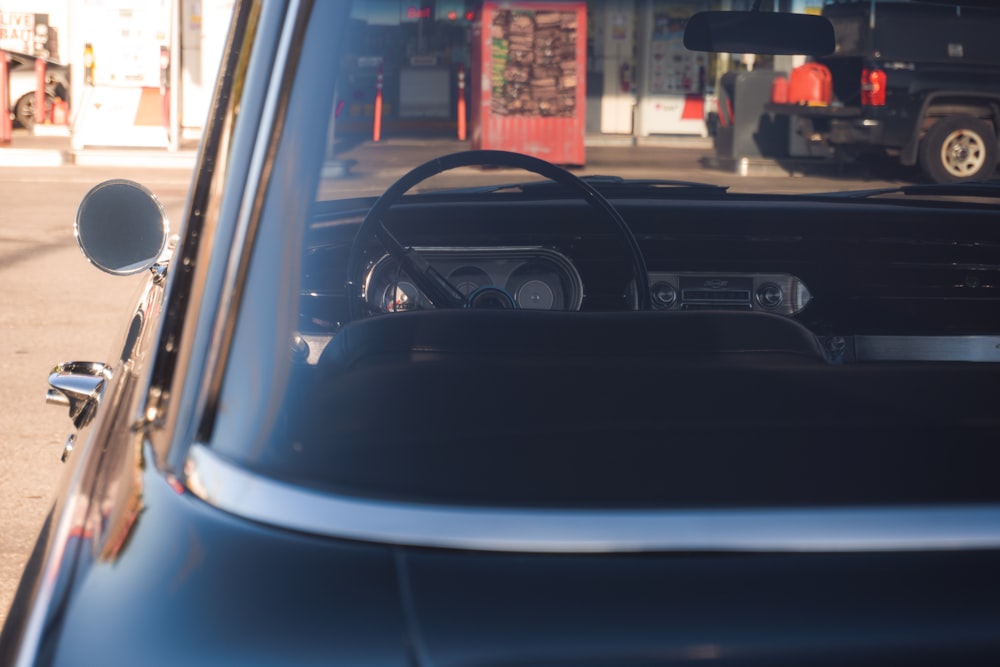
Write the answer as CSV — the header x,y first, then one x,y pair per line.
x,y
415,48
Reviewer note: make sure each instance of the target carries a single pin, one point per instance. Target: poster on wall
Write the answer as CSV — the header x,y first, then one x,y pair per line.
x,y
528,73
674,69
533,64
672,101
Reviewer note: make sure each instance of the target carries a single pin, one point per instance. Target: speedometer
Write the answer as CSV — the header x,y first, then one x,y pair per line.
x,y
401,296
535,295
536,285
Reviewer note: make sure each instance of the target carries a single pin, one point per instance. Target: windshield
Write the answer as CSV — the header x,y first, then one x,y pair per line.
x,y
606,88
608,92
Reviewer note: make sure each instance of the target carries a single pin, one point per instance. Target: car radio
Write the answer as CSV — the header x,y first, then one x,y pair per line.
x,y
774,292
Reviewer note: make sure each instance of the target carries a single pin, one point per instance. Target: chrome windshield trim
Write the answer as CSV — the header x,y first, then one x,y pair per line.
x,y
238,491
226,312
927,348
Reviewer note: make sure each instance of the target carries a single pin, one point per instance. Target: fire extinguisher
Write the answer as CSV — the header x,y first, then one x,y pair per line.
x,y
625,77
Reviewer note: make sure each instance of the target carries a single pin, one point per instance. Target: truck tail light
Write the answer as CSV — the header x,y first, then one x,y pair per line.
x,y
873,87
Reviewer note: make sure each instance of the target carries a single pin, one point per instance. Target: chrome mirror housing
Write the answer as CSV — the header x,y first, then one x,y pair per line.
x,y
78,385
121,227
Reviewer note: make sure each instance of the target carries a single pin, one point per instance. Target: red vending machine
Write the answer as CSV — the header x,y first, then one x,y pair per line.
x,y
528,79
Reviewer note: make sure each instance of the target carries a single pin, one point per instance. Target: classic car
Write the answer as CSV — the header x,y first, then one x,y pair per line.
x,y
537,420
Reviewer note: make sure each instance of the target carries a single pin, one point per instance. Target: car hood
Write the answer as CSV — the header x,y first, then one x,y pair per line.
x,y
193,585
774,609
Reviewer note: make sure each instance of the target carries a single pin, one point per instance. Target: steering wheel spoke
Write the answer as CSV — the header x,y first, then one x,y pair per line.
x,y
429,280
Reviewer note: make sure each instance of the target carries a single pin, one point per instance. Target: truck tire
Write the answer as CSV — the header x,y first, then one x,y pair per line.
x,y
24,109
959,148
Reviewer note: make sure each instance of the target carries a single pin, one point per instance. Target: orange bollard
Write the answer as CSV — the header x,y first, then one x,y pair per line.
x,y
41,113
461,103
377,129
6,125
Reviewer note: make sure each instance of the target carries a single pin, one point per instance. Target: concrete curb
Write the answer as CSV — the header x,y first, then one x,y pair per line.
x,y
125,158
51,157
52,146
32,157
51,150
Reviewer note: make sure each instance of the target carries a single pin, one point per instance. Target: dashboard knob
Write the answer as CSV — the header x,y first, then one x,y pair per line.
x,y
770,295
664,295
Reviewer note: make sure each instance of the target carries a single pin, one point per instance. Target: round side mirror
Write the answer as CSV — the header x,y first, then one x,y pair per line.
x,y
121,227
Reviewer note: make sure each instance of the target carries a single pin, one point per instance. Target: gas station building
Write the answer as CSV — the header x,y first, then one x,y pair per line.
x,y
142,71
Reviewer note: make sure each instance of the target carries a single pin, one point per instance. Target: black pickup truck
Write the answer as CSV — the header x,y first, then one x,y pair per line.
x,y
914,80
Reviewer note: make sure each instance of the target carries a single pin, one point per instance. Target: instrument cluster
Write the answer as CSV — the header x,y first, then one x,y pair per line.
x,y
531,278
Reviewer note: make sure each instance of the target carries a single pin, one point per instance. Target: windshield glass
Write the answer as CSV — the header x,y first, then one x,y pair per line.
x,y
608,92
601,88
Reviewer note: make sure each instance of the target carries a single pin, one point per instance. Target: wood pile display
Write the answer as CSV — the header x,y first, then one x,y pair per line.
x,y
534,63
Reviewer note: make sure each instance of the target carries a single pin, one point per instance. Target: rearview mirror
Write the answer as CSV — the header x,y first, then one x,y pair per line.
x,y
773,33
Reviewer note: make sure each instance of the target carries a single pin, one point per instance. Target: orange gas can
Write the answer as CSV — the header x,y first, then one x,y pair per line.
x,y
811,84
779,90
60,113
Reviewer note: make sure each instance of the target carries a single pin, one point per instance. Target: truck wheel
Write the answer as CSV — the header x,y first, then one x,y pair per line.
x,y
24,109
958,148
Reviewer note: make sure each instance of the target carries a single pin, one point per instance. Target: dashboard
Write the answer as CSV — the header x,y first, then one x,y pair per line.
x,y
842,268
543,279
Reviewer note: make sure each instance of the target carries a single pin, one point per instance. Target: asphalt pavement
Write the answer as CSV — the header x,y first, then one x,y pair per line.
x,y
50,146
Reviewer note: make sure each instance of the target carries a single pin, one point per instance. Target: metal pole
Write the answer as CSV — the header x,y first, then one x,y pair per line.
x,y
41,115
461,103
5,122
377,128
175,76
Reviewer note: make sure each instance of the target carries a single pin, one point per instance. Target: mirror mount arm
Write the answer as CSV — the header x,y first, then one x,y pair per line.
x,y
159,272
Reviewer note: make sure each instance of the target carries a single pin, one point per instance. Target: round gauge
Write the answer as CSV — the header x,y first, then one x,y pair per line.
x,y
400,296
535,295
536,285
467,279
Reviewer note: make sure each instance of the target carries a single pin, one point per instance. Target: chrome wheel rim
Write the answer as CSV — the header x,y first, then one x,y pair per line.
x,y
963,153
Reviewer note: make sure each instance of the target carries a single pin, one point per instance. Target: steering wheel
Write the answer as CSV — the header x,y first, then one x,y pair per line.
x,y
437,289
